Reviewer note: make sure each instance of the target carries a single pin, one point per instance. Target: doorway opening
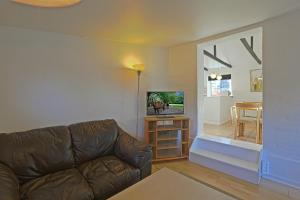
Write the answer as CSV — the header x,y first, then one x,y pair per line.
x,y
230,87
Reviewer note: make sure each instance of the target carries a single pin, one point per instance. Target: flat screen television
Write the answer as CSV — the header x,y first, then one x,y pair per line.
x,y
165,103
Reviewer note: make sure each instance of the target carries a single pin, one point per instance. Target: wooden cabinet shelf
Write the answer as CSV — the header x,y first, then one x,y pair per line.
x,y
170,158
168,129
169,137
184,142
167,147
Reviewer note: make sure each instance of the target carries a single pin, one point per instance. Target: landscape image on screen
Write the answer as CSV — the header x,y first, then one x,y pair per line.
x,y
165,103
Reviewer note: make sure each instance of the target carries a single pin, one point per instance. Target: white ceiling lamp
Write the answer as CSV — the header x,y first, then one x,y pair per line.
x,y
213,75
48,3
219,77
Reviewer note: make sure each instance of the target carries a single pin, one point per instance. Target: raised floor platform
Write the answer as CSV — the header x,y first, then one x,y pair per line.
x,y
237,158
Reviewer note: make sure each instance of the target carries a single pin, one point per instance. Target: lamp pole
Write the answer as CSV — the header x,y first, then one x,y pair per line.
x,y
137,103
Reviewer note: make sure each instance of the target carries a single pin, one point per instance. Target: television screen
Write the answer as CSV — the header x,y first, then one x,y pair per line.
x,y
165,103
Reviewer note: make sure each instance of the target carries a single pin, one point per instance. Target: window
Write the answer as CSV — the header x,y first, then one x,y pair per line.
x,y
219,87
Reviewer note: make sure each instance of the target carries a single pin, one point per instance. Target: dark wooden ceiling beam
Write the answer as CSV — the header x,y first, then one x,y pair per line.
x,y
208,54
250,49
215,50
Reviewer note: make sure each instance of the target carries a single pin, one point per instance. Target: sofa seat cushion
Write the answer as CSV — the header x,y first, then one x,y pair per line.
x,y
62,185
108,175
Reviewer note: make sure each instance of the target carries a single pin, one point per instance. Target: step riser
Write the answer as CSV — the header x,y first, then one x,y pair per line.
x,y
238,152
247,175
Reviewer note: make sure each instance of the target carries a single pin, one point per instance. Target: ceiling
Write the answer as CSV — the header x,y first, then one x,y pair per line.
x,y
232,51
151,22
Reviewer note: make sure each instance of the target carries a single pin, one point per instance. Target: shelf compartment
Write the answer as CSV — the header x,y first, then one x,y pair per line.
x,y
185,135
167,153
167,128
151,126
168,147
185,124
169,134
168,144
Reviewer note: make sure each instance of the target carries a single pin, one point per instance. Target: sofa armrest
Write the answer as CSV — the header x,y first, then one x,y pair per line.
x,y
9,184
134,152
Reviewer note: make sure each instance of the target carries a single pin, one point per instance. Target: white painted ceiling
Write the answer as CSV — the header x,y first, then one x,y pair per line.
x,y
151,22
232,51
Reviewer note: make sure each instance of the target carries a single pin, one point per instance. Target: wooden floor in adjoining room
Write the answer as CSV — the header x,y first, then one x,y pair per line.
x,y
227,130
228,184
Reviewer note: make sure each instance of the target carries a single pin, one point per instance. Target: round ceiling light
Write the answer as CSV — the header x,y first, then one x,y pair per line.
x,y
48,3
213,75
219,77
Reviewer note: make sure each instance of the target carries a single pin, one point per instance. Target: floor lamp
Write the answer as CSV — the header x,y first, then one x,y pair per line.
x,y
139,68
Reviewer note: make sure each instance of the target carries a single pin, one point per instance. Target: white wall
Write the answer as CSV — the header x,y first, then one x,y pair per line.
x,y
241,85
51,79
281,135
282,99
211,110
217,109
182,75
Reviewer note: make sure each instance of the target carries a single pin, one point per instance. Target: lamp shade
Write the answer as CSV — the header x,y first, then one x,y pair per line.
x,y
213,75
138,67
48,3
219,77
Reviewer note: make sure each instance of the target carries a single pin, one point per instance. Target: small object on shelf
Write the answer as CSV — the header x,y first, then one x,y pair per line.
x,y
169,137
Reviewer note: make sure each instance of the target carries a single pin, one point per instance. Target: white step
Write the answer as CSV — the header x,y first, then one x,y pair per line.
x,y
239,149
228,158
251,166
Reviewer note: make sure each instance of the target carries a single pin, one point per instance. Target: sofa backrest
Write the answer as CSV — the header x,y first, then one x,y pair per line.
x,y
34,153
93,139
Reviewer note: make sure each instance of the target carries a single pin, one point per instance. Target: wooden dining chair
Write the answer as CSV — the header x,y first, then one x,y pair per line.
x,y
241,120
233,114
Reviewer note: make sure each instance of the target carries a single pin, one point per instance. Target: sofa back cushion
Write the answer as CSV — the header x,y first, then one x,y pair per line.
x,y
35,153
93,139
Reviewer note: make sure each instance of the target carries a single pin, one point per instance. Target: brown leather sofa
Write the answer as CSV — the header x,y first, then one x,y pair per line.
x,y
89,160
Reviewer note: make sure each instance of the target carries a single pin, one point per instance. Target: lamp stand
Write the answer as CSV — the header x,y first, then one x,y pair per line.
x,y
137,104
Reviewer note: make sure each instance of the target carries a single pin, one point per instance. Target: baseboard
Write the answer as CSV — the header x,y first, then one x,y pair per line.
x,y
281,170
284,189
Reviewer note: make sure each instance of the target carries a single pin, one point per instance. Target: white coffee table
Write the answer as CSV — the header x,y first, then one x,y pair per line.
x,y
167,184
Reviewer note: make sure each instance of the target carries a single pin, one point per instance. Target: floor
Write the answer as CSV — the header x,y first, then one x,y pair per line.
x,y
236,187
227,130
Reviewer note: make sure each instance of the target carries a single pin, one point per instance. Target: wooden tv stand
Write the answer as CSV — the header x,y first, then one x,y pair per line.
x,y
168,136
